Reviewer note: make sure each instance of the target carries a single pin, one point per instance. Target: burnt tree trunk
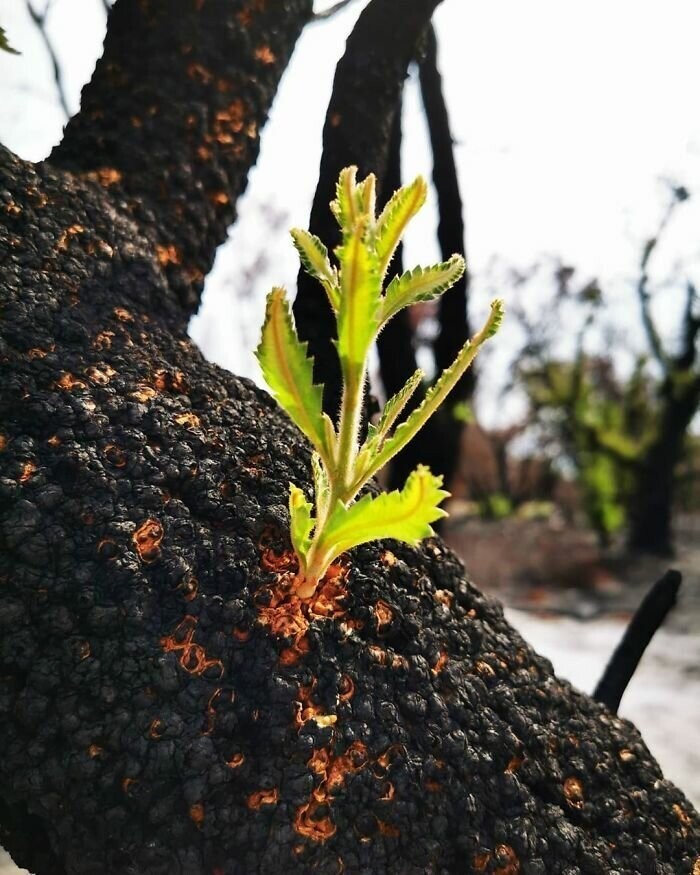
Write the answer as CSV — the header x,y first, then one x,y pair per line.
x,y
438,444
166,704
651,508
366,95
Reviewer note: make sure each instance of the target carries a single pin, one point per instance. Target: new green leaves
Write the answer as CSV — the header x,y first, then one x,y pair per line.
x,y
358,316
314,257
289,373
405,515
420,284
301,521
437,393
401,208
340,467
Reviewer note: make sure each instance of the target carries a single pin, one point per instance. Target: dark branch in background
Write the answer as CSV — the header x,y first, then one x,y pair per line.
x,y
39,19
679,194
438,443
691,327
331,11
647,619
679,396
397,356
454,324
366,92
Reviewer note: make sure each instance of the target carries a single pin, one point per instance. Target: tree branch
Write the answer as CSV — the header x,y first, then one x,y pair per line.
x,y
171,119
454,323
39,19
397,356
678,196
691,329
332,10
647,619
366,93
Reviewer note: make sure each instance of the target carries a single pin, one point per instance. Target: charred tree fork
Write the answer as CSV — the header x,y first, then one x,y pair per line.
x,y
163,708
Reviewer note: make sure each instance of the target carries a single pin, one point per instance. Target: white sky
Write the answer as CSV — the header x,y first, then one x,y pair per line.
x,y
566,114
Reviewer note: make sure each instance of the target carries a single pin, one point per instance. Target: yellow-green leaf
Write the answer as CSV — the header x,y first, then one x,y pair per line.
x,y
360,299
404,515
366,196
314,257
420,284
437,392
395,405
289,372
301,522
401,208
344,207
322,485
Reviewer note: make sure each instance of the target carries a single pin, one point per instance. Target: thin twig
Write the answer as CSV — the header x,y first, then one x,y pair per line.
x,y
39,19
643,283
647,619
691,327
326,13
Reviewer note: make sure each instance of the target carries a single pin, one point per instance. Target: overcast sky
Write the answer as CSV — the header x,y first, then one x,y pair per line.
x,y
567,116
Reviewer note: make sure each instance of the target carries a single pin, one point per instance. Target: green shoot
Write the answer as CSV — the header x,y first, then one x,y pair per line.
x,y
341,464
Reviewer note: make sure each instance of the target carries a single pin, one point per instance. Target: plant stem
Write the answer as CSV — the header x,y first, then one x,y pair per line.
x,y
343,488
348,428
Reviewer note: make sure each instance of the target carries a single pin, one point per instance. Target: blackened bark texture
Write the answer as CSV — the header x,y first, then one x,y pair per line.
x,y
366,94
170,122
166,705
647,619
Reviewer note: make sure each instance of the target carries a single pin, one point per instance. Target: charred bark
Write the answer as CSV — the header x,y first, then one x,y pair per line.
x,y
648,618
397,354
166,706
651,510
438,444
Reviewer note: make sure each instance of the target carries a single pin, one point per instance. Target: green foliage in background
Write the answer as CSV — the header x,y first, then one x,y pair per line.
x,y
604,425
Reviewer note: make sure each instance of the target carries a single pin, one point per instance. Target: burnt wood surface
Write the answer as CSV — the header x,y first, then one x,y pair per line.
x,y
166,705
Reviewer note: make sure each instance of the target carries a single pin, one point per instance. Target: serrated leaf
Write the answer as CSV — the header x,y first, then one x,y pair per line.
x,y
395,405
288,371
366,196
404,515
420,284
331,435
301,523
377,434
322,486
400,209
360,299
344,207
436,394
314,257
4,44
